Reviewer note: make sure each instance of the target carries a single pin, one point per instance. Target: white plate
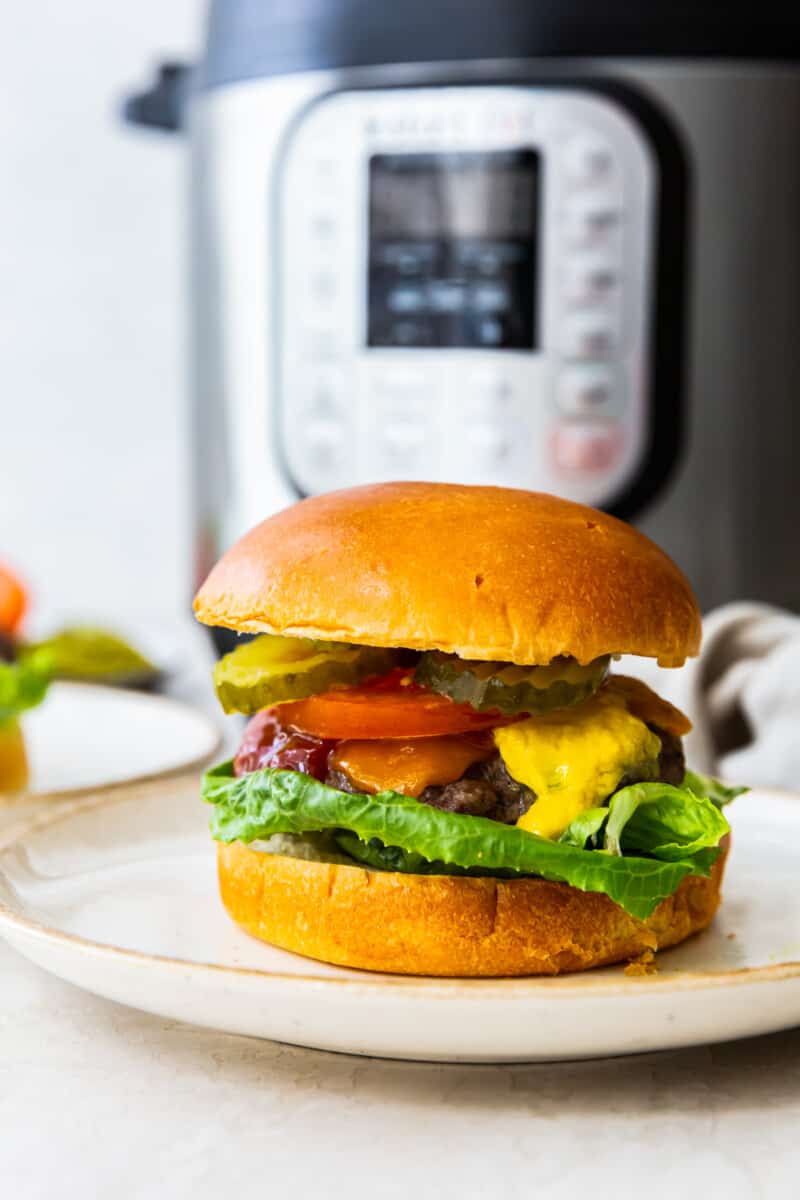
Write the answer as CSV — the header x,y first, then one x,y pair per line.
x,y
86,736
118,895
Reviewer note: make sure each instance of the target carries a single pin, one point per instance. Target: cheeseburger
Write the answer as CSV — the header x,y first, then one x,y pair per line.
x,y
442,773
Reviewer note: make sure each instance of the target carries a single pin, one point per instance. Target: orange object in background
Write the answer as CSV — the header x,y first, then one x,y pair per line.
x,y
409,766
13,601
13,759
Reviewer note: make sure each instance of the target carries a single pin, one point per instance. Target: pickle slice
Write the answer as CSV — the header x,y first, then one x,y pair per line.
x,y
271,669
508,688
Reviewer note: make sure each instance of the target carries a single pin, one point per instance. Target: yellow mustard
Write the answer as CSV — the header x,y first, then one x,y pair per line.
x,y
574,758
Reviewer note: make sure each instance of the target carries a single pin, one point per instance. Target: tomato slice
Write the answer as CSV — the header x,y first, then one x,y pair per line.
x,y
389,707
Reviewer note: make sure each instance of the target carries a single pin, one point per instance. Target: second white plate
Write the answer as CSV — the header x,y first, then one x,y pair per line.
x,y
86,736
118,895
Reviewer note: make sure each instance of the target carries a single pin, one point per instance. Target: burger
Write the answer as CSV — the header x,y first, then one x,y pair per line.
x,y
442,774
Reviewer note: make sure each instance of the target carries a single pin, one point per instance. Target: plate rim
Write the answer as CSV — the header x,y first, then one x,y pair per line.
x,y
9,800
582,981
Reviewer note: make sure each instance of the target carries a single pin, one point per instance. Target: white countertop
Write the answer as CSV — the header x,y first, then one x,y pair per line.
x,y
99,1100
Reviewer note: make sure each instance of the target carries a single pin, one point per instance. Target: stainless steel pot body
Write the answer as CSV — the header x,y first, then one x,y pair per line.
x,y
730,507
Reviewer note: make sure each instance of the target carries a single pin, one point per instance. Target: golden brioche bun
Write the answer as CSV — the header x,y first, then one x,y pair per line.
x,y
482,572
447,925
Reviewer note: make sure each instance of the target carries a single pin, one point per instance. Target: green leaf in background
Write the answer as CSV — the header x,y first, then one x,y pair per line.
x,y
88,654
270,801
23,684
704,785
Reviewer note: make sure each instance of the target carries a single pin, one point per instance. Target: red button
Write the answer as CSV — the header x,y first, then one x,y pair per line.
x,y
587,447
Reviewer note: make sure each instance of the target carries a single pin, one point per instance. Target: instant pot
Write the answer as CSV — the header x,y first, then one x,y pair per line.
x,y
540,245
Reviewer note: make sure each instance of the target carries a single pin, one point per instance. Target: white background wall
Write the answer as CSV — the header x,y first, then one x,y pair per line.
x,y
93,446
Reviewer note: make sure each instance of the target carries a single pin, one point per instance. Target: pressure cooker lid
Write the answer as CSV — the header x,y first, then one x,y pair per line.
x,y
249,38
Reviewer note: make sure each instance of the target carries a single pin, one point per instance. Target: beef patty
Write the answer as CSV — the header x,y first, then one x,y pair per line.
x,y
487,789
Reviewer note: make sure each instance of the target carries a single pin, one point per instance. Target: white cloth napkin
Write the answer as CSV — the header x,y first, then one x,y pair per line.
x,y
742,695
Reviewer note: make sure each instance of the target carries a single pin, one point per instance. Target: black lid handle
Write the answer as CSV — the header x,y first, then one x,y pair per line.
x,y
162,105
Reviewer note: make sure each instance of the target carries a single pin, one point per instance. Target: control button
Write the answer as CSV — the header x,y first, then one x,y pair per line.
x,y
320,341
490,297
586,335
323,226
400,445
490,261
587,447
489,331
446,297
399,384
324,441
590,224
583,391
490,394
325,396
323,432
326,167
399,397
590,280
405,299
409,333
588,159
405,258
323,287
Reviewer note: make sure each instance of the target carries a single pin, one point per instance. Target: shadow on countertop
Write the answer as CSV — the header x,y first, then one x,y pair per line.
x,y
731,1075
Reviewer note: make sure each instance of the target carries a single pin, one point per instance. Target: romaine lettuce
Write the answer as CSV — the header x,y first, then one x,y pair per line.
x,y
399,833
652,818
704,785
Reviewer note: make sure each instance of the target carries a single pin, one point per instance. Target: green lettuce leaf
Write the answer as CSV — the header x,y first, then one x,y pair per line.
x,y
391,858
584,830
656,819
271,801
704,785
23,685
667,822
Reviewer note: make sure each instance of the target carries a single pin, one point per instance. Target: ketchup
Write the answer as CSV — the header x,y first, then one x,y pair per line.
x,y
267,743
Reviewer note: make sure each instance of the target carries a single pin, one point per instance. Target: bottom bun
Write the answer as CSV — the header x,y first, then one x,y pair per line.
x,y
447,925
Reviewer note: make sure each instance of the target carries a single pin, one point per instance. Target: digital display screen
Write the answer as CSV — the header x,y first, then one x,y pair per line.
x,y
452,249
452,195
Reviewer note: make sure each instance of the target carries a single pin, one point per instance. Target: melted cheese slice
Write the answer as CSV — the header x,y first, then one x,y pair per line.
x,y
575,757
645,704
409,765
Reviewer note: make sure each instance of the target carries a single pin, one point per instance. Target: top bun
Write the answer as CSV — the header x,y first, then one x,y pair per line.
x,y
483,572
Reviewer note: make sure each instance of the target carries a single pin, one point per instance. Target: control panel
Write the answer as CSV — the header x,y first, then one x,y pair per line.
x,y
464,290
